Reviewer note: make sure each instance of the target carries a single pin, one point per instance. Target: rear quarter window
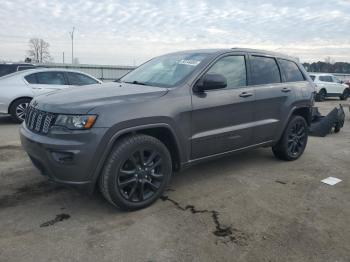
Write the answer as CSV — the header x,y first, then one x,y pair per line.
x,y
264,70
31,79
291,71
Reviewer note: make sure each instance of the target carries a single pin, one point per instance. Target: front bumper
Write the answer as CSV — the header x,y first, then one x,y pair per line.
x,y
66,157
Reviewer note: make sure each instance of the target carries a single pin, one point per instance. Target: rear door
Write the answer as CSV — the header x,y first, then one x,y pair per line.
x,y
222,118
273,97
43,82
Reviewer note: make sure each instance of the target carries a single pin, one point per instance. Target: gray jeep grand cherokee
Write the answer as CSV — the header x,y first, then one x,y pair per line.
x,y
171,112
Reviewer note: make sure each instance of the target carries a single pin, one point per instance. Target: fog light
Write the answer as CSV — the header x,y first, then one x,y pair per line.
x,y
63,157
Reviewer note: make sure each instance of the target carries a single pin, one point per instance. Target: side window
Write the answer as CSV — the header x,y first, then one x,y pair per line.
x,y
336,80
77,79
51,78
291,71
264,70
329,79
233,68
312,77
31,79
322,78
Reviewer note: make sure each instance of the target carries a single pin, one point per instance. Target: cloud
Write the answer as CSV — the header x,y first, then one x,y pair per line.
x,y
117,32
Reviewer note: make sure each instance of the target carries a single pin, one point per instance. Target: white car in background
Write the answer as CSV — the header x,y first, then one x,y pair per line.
x,y
327,85
19,88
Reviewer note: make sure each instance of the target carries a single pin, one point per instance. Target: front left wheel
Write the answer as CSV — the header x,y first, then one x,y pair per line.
x,y
345,94
136,172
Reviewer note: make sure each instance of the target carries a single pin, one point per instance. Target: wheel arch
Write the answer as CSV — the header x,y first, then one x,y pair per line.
x,y
161,131
304,111
323,89
16,99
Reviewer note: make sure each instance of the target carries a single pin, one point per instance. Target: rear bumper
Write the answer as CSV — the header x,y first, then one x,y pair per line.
x,y
66,161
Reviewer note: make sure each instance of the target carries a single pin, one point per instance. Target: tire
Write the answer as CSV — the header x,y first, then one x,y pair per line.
x,y
130,183
18,108
321,96
345,94
293,141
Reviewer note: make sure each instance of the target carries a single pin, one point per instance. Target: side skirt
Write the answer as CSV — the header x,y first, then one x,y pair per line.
x,y
219,155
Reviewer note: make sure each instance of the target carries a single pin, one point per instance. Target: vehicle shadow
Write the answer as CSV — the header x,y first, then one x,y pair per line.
x,y
83,204
6,120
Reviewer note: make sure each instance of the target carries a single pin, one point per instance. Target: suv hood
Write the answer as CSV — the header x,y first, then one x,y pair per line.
x,y
81,100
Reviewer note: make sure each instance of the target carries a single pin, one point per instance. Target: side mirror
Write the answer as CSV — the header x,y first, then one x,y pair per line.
x,y
210,82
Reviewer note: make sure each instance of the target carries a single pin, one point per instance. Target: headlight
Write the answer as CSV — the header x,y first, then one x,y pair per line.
x,y
76,121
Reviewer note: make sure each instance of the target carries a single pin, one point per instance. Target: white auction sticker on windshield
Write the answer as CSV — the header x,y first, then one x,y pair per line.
x,y
189,62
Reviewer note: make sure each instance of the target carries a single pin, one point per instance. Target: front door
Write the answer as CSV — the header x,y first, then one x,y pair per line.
x,y
222,118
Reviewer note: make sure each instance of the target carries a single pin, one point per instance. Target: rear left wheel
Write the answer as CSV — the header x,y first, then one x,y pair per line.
x,y
293,141
18,109
136,173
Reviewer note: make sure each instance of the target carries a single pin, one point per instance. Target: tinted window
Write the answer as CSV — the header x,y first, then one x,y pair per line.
x,y
31,79
264,70
7,69
325,78
291,71
312,77
233,68
51,78
21,68
80,79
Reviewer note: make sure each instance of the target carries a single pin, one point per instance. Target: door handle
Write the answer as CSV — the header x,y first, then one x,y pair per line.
x,y
286,89
245,94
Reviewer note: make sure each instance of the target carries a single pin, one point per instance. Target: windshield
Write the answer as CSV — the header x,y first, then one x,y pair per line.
x,y
165,71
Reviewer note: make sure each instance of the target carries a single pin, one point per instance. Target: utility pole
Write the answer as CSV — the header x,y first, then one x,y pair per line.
x,y
72,37
63,57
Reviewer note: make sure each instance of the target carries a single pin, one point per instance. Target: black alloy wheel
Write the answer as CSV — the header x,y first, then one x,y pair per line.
x,y
136,172
297,138
140,177
293,140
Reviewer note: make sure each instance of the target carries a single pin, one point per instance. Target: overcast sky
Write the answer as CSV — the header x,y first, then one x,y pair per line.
x,y
127,32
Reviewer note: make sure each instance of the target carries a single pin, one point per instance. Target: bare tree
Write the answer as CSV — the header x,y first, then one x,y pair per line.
x,y
39,50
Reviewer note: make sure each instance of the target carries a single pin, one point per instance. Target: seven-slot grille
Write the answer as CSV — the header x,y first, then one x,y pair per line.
x,y
38,121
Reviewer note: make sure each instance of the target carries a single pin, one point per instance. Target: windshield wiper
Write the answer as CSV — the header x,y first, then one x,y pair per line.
x,y
136,83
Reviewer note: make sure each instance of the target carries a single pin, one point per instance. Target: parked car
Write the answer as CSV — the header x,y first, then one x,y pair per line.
x,y
18,89
9,68
171,112
327,85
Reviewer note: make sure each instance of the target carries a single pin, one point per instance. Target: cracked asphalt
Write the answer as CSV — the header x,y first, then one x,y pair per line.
x,y
245,207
